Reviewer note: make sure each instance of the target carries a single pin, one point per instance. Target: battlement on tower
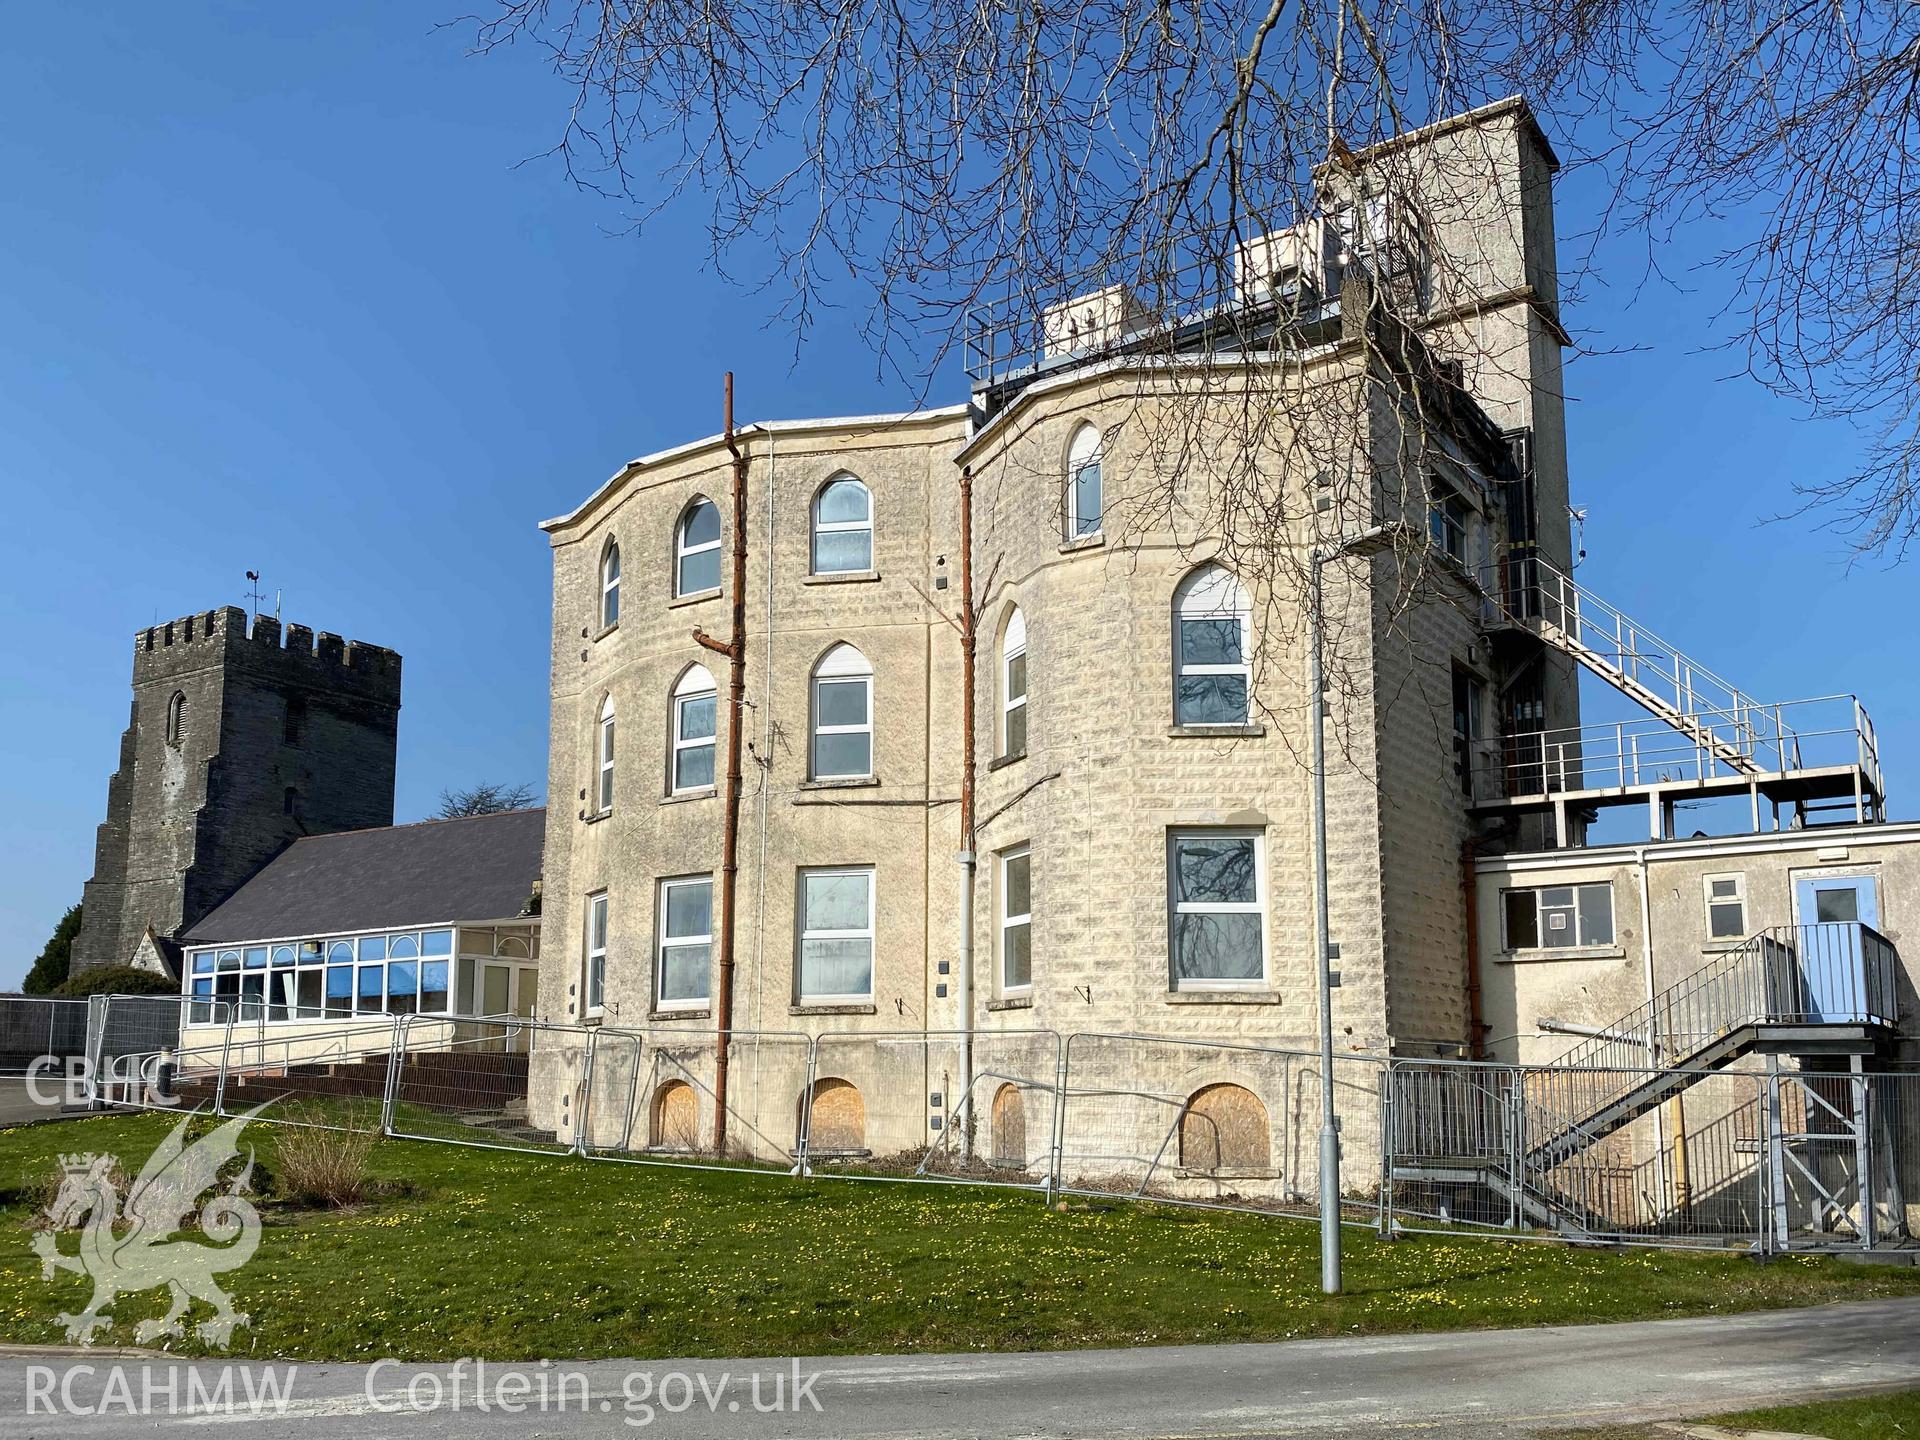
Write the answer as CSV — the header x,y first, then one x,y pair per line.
x,y
291,654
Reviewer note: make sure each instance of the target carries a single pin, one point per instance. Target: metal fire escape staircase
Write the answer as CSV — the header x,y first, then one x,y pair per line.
x,y
1704,738
1536,1135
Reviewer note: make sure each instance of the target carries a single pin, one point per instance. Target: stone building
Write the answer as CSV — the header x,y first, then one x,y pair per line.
x,y
241,740
1142,858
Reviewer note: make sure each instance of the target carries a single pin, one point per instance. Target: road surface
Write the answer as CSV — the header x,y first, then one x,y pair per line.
x,y
1448,1387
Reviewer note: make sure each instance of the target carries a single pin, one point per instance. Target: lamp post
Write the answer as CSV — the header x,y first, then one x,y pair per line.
x,y
1367,542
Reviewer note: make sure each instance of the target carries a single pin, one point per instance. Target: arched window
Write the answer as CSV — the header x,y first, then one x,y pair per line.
x,y
837,1118
1225,1128
1212,677
603,749
676,1117
1083,483
842,527
290,802
294,722
696,549
842,716
694,711
1008,1128
1013,685
177,717
610,586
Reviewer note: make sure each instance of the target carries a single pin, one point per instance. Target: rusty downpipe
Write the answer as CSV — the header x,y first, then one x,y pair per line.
x,y
968,861
735,649
1476,1017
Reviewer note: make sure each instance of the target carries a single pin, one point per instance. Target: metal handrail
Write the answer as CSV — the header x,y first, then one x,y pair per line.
x,y
1729,728
1834,972
1796,735
1185,282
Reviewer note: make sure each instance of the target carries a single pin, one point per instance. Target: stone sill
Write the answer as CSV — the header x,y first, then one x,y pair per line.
x,y
605,631
1564,952
681,799
1225,997
1083,542
679,1014
830,1009
838,784
1011,1002
1216,732
699,597
842,577
1005,760
594,817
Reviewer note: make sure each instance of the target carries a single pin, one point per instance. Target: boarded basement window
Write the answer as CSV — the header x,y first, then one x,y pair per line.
x,y
1225,1128
676,1117
839,1119
1009,1128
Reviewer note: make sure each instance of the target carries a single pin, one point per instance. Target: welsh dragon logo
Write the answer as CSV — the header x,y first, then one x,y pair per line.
x,y
124,1253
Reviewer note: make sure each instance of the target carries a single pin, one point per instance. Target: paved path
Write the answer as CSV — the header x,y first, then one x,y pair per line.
x,y
1486,1384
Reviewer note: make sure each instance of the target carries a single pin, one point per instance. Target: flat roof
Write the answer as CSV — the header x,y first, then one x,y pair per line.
x,y
436,872
1813,837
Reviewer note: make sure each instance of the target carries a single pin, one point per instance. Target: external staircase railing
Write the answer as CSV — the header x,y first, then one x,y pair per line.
x,y
1530,592
1703,726
1793,735
1535,1134
1833,973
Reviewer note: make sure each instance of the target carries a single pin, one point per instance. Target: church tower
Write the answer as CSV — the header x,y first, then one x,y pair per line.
x,y
239,743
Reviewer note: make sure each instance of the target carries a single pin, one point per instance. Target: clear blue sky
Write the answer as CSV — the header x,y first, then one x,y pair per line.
x,y
276,294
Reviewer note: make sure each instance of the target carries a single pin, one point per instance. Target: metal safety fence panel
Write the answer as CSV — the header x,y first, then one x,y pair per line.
x,y
1844,1156
498,1084
936,1106
660,1103
1452,1135
123,1025
1221,1125
1894,1181
34,1027
328,1077
1651,1157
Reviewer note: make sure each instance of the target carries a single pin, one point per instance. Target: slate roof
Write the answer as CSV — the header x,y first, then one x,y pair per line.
x,y
482,867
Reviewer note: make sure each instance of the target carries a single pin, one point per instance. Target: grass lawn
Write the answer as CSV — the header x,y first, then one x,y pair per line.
x,y
1872,1417
519,1257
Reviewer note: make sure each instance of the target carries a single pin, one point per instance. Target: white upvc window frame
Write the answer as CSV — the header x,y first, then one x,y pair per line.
x,y
682,551
604,736
1085,451
840,527
806,933
841,665
1013,646
1207,593
593,972
696,684
1010,920
1176,907
668,942
1737,898
610,585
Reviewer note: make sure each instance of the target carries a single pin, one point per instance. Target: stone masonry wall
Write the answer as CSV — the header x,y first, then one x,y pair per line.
x,y
187,823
